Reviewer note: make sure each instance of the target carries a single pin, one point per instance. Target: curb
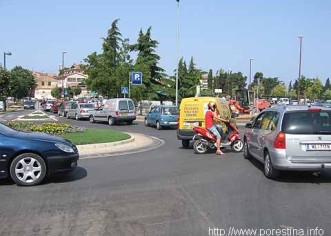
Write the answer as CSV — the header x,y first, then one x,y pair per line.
x,y
81,148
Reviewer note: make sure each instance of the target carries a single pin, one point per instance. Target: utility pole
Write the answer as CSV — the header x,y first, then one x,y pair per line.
x,y
299,78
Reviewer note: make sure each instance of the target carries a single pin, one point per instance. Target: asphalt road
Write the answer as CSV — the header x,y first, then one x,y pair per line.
x,y
167,191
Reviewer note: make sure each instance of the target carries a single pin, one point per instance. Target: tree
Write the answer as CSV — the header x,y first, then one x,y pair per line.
x,y
315,90
22,83
210,79
147,62
327,85
4,82
278,91
327,94
102,68
56,92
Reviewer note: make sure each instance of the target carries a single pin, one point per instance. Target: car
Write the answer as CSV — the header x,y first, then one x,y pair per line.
x,y
55,106
28,157
29,104
162,116
80,110
114,110
294,138
64,107
47,106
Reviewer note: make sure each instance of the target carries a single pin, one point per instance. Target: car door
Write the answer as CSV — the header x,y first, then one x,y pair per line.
x,y
254,135
266,132
72,110
156,115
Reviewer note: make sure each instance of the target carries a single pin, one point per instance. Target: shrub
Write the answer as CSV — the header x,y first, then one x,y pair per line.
x,y
47,127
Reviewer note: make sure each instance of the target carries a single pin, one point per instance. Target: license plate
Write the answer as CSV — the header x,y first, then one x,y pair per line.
x,y
124,114
191,124
321,147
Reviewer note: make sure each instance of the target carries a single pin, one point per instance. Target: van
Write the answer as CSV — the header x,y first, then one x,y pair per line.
x,y
192,113
114,111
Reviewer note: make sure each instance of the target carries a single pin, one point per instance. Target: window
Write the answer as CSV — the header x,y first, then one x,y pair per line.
x,y
131,106
123,105
266,120
307,122
258,120
42,83
49,83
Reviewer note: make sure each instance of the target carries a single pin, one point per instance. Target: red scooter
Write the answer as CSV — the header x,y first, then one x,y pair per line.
x,y
206,140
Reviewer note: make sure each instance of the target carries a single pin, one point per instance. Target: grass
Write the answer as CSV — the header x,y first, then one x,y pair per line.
x,y
35,117
90,136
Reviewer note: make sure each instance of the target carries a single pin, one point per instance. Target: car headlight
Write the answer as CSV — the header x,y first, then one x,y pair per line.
x,y
64,147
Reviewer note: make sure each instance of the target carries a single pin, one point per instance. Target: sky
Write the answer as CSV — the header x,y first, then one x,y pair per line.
x,y
216,33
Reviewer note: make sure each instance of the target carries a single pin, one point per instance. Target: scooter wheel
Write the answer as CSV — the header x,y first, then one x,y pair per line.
x,y
237,145
200,147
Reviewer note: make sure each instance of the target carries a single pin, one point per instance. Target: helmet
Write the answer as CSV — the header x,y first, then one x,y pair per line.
x,y
212,105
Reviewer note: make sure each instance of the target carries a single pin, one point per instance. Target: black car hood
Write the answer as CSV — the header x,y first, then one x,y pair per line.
x,y
38,136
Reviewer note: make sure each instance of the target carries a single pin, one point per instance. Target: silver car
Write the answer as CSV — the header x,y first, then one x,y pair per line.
x,y
80,110
290,138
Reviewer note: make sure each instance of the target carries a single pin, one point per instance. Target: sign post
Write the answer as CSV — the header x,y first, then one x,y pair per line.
x,y
135,78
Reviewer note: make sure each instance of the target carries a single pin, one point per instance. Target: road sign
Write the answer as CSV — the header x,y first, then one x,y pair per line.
x,y
125,90
136,78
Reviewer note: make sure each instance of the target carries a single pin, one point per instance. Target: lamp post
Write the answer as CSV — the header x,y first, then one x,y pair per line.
x,y
4,58
177,74
64,52
250,72
299,78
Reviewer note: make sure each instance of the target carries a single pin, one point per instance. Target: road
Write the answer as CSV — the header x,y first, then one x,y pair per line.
x,y
167,191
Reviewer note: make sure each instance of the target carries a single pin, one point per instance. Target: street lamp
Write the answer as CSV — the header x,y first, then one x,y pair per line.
x,y
300,38
177,74
64,52
4,58
250,72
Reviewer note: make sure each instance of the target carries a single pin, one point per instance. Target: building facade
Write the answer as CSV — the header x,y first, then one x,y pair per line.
x,y
45,83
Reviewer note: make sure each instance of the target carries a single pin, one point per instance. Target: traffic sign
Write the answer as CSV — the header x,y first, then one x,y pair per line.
x,y
125,90
136,78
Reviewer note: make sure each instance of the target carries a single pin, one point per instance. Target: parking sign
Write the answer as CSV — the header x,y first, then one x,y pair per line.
x,y
136,78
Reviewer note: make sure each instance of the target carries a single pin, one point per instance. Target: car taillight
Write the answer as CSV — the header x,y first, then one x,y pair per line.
x,y
314,109
82,111
280,141
116,113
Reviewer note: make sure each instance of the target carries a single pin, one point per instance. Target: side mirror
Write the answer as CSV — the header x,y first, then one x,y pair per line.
x,y
248,125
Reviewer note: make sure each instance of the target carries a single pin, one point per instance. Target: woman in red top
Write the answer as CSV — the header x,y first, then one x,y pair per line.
x,y
210,125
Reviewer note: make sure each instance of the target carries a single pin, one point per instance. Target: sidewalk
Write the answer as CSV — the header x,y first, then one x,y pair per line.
x,y
137,143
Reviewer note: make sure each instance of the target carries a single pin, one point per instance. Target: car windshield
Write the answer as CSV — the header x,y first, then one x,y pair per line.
x,y
307,122
170,110
87,105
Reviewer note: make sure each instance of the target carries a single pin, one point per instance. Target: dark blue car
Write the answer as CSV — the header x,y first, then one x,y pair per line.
x,y
27,157
162,116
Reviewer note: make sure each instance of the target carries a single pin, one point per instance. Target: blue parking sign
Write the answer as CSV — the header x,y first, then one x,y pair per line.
x,y
137,78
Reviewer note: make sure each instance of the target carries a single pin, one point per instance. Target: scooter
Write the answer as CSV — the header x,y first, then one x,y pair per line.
x,y
206,140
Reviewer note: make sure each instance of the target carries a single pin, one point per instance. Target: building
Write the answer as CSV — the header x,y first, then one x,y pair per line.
x,y
73,77
204,82
45,83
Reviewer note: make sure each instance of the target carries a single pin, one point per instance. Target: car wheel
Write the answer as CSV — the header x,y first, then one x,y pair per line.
x,y
247,155
186,143
158,126
91,119
111,121
129,122
146,122
269,171
76,117
200,147
68,117
237,146
28,169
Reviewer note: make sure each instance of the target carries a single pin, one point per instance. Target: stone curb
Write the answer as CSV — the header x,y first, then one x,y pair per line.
x,y
81,148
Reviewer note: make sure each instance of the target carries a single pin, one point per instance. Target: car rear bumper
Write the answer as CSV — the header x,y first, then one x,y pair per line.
x,y
62,163
125,118
280,162
183,134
